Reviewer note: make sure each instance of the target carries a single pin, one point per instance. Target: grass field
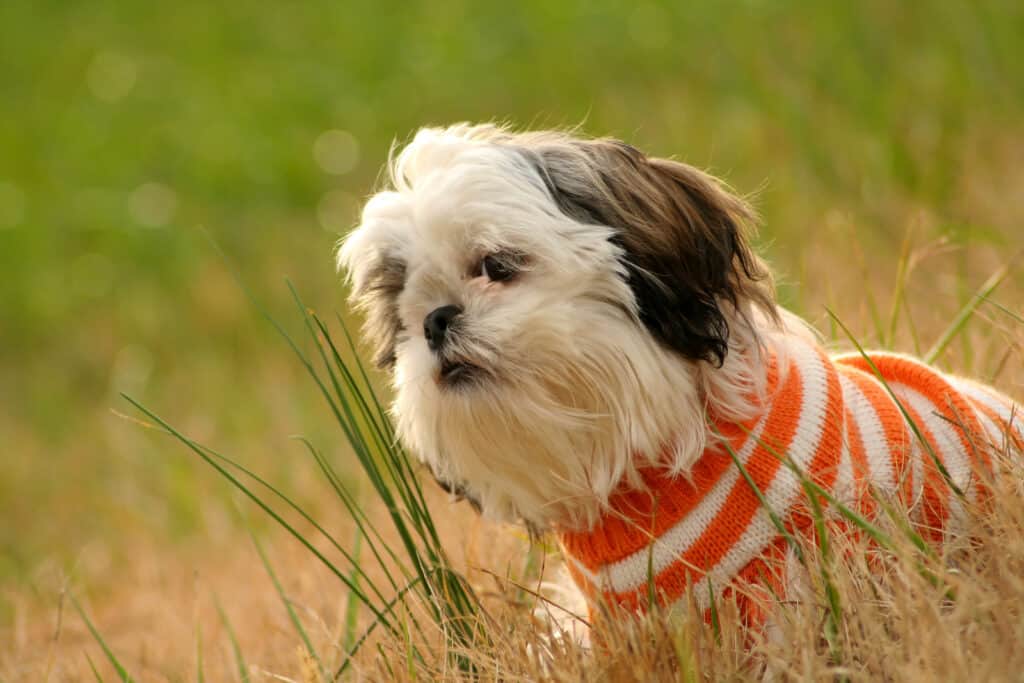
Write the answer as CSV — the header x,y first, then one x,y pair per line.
x,y
136,135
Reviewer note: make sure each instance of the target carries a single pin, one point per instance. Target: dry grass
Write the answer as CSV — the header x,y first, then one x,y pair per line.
x,y
865,122
904,615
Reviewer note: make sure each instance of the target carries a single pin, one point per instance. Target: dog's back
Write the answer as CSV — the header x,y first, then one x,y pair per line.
x,y
930,439
865,428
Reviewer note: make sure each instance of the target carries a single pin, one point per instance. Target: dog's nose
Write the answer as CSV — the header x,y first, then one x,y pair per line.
x,y
435,325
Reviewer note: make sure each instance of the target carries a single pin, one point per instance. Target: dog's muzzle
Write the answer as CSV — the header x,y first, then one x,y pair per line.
x,y
436,324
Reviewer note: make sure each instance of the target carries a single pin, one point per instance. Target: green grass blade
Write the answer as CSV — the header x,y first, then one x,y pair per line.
x,y
121,672
352,606
960,321
362,522
357,567
243,669
92,666
414,584
256,499
776,520
370,466
366,379
378,417
292,616
939,465
716,626
876,534
835,612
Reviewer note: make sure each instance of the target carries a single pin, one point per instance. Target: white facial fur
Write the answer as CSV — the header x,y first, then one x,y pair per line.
x,y
569,393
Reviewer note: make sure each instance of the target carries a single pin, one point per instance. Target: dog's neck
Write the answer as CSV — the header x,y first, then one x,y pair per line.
x,y
690,411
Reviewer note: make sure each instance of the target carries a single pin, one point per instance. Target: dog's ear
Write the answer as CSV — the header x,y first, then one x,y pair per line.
x,y
683,237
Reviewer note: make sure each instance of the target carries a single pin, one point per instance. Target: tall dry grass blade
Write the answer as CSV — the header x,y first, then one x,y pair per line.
x,y
915,336
902,271
961,319
200,678
1016,317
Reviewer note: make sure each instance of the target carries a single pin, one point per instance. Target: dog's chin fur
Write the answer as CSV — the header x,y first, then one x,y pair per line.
x,y
635,307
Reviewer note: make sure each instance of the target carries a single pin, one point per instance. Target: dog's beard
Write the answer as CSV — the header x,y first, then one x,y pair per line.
x,y
545,429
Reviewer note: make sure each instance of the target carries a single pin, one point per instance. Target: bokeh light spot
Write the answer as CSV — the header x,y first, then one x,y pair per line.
x,y
153,205
336,151
131,368
111,76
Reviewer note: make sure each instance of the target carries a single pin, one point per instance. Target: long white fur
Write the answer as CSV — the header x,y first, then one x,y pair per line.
x,y
579,394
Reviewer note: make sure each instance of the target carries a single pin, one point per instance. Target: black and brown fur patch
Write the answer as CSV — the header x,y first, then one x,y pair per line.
x,y
378,297
683,234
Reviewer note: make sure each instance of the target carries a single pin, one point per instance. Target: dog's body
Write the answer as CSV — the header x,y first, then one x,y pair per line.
x,y
572,326
830,421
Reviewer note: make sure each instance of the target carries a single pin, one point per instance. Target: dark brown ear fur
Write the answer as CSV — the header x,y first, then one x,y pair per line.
x,y
378,298
683,236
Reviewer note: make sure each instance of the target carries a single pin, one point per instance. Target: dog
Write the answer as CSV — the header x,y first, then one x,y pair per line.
x,y
582,339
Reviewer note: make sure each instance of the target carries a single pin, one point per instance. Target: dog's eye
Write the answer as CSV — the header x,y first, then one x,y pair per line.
x,y
497,269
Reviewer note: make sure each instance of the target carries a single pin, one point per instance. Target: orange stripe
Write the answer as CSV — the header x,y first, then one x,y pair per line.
x,y
897,434
728,526
641,515
948,401
935,510
824,466
757,580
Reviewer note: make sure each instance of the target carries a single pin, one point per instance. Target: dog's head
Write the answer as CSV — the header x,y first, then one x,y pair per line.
x,y
551,308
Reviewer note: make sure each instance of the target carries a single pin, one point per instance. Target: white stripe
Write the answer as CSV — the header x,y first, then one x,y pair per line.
x,y
845,487
632,572
877,449
948,449
786,488
1001,405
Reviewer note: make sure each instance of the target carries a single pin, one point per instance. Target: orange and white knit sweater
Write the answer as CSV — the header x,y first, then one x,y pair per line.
x,y
841,427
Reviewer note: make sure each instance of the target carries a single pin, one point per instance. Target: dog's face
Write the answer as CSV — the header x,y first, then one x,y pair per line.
x,y
545,305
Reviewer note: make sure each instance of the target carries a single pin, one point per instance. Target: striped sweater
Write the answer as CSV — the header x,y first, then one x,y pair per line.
x,y
840,426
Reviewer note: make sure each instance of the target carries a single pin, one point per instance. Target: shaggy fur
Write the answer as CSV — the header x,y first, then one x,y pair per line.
x,y
608,301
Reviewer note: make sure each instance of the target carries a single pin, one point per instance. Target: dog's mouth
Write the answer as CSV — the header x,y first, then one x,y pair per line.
x,y
457,372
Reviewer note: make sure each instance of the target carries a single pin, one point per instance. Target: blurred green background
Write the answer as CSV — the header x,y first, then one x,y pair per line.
x,y
133,131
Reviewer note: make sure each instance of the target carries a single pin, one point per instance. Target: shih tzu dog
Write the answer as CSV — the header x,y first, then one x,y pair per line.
x,y
582,339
